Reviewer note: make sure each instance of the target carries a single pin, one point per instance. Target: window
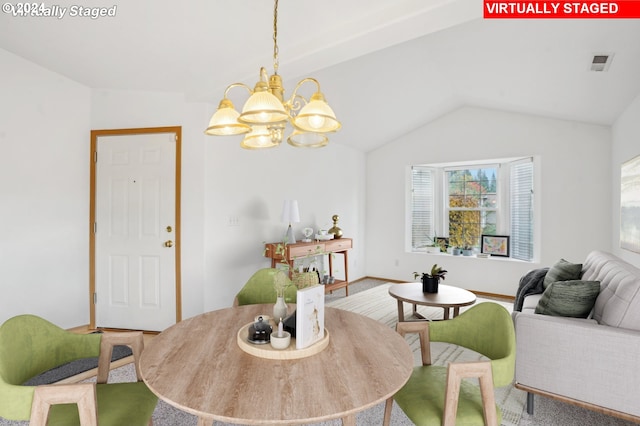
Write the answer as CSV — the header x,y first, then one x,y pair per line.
x,y
422,221
462,202
471,206
522,210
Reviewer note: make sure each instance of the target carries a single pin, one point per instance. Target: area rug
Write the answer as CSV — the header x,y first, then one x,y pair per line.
x,y
376,303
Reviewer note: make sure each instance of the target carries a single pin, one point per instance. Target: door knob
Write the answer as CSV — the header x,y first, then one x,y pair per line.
x,y
168,243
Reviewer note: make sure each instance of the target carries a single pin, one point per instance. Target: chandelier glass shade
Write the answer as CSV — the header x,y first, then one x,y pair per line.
x,y
225,121
259,137
266,113
301,139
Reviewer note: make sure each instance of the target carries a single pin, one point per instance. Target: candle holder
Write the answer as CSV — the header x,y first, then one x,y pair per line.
x,y
282,342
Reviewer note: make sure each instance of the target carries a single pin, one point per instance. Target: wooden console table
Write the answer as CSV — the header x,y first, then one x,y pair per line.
x,y
314,248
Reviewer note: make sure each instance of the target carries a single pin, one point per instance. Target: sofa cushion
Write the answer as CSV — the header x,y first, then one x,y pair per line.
x,y
563,271
572,298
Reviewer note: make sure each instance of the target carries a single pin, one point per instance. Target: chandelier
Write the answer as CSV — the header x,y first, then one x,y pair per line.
x,y
265,114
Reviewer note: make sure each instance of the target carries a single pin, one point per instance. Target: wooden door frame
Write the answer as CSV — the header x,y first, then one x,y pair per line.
x,y
95,134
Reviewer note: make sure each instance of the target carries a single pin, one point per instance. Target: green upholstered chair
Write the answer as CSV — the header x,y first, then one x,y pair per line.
x,y
259,289
30,345
440,395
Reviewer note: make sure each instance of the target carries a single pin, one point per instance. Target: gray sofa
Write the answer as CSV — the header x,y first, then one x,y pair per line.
x,y
592,362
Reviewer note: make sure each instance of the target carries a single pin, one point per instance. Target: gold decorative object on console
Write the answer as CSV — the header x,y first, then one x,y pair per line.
x,y
266,113
337,232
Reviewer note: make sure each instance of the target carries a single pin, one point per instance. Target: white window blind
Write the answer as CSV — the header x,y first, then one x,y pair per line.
x,y
522,210
422,214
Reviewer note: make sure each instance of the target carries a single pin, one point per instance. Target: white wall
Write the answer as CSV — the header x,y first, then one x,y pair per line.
x,y
574,193
45,123
252,185
44,193
221,181
626,145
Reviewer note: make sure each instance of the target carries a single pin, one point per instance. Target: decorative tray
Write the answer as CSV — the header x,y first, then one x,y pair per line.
x,y
266,351
324,237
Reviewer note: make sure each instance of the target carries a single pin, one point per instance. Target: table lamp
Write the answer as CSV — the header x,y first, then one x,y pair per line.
x,y
290,214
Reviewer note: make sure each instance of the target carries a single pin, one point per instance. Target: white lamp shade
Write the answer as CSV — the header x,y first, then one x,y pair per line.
x,y
317,116
263,108
302,139
225,122
290,213
258,138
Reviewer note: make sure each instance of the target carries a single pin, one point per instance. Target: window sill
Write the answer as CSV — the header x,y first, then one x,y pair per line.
x,y
475,256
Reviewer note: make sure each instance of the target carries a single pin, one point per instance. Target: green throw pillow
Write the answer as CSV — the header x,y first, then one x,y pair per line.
x,y
563,271
573,298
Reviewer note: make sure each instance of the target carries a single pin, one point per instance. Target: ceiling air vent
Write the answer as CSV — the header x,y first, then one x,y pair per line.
x,y
601,62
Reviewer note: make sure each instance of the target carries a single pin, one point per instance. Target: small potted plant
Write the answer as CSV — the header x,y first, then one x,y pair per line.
x,y
432,246
467,250
431,280
457,251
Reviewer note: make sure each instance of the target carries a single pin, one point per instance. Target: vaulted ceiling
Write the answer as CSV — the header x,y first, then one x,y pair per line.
x,y
385,67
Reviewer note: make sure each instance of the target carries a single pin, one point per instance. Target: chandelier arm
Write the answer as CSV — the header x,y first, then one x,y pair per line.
x,y
294,104
264,75
231,86
294,94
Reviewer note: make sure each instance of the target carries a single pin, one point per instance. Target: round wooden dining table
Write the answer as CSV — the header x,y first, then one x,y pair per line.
x,y
197,366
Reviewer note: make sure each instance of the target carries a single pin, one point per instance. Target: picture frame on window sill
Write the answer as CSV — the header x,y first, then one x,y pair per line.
x,y
442,243
495,245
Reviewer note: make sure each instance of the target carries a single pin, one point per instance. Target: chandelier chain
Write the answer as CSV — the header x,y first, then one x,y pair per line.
x,y
275,38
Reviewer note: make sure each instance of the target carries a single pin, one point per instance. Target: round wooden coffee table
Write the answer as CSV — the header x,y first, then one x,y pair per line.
x,y
447,297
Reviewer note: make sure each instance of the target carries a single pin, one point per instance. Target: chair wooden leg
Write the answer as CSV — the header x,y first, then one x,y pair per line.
x,y
388,406
455,373
488,398
451,396
133,339
204,422
82,394
422,328
349,420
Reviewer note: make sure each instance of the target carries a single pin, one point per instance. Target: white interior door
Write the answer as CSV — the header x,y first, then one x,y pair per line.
x,y
135,259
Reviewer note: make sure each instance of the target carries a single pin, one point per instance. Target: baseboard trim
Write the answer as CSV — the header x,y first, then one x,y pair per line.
x,y
378,278
493,295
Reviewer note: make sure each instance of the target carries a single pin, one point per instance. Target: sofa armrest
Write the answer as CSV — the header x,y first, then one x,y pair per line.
x,y
580,359
529,303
